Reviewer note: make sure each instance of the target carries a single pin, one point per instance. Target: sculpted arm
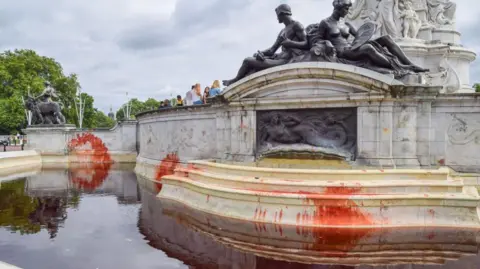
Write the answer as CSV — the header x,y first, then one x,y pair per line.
x,y
270,51
301,35
351,29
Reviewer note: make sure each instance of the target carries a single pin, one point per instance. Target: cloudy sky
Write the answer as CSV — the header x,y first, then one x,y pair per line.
x,y
158,48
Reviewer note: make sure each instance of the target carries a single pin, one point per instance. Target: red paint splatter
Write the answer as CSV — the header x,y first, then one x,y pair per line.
x,y
166,167
208,198
280,216
280,230
336,212
256,214
94,158
342,191
264,214
431,212
431,236
89,148
441,162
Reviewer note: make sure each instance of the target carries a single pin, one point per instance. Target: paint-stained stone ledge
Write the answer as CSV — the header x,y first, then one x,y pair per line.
x,y
321,198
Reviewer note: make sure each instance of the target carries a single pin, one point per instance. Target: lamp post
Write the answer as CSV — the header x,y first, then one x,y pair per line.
x,y
127,108
80,107
28,113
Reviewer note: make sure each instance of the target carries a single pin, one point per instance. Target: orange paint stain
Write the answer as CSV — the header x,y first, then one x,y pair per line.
x,y
166,167
89,148
336,212
431,236
94,161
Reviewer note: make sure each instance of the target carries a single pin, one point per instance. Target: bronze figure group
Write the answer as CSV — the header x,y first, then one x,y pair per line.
x,y
329,41
44,109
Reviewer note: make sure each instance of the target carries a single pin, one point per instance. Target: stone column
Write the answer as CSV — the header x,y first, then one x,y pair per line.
x,y
404,134
424,132
243,135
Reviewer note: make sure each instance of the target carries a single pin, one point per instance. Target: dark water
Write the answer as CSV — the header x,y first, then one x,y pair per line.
x,y
109,219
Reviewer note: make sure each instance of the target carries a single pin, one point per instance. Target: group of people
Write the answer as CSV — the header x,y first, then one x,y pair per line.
x,y
195,96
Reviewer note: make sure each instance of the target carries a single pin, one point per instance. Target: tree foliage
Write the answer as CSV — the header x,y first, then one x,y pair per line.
x,y
23,73
137,106
103,121
476,86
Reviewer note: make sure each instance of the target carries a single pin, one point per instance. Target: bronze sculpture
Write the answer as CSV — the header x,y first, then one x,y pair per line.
x,y
329,41
44,110
289,39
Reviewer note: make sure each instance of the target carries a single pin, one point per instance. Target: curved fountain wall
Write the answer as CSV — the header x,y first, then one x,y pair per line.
x,y
397,125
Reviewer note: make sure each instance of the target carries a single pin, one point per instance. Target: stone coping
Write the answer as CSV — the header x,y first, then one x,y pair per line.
x,y
312,70
166,110
441,171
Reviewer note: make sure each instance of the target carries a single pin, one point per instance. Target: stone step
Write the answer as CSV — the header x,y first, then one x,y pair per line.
x,y
315,186
314,210
327,175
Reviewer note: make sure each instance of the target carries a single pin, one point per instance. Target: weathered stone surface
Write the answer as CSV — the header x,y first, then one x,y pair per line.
x,y
407,130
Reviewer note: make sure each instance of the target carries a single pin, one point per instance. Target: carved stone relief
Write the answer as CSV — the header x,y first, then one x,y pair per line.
x,y
315,133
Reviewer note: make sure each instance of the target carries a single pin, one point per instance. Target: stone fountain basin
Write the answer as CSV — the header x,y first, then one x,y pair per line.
x,y
325,198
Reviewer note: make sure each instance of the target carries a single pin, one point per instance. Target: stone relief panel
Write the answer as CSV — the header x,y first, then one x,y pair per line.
x,y
463,142
311,133
400,18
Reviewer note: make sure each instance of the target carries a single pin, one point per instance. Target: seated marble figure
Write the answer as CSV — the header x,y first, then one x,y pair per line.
x,y
290,40
330,41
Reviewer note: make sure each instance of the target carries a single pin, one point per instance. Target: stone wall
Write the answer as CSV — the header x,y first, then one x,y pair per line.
x,y
66,143
415,127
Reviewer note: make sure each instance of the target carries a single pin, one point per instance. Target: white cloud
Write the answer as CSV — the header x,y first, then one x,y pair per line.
x,y
158,49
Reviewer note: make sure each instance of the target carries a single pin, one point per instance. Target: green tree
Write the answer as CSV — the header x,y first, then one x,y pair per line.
x,y
151,104
476,86
24,72
136,105
103,121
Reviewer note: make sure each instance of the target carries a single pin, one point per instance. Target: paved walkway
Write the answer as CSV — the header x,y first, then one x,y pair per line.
x,y
11,148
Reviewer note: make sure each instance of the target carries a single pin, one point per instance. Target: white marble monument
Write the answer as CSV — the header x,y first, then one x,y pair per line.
x,y
426,30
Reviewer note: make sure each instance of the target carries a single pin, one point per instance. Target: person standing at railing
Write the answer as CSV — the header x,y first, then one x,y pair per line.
x,y
215,90
179,100
197,95
189,96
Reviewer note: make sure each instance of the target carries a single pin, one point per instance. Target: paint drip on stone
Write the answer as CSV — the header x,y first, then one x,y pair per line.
x,y
166,167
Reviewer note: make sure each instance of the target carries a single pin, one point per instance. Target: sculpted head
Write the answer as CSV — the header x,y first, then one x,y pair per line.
x,y
283,11
341,7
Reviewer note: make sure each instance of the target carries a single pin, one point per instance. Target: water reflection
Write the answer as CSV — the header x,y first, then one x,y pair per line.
x,y
207,241
38,202
50,221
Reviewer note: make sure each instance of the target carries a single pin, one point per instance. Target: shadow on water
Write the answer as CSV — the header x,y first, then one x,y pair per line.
x,y
102,217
